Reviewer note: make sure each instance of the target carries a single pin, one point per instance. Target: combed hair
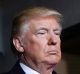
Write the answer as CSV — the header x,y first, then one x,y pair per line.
x,y
32,13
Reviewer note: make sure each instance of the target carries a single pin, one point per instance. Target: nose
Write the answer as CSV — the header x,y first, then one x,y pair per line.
x,y
52,40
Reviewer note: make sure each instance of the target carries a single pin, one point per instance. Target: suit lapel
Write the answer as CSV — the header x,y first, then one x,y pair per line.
x,y
16,69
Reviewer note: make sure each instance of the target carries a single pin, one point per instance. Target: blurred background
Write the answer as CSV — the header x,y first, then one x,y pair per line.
x,y
70,63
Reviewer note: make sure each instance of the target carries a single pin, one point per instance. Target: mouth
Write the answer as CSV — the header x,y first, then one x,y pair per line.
x,y
52,52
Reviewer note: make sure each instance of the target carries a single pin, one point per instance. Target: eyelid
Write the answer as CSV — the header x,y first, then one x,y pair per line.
x,y
58,32
41,32
41,29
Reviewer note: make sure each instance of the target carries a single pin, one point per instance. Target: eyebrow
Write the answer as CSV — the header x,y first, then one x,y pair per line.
x,y
42,28
58,29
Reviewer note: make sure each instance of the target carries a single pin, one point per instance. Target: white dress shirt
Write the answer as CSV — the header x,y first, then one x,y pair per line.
x,y
27,69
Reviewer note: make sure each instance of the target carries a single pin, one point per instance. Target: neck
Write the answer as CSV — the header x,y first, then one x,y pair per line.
x,y
42,68
45,68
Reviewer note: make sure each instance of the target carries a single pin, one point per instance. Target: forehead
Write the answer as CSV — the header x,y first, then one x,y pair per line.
x,y
46,22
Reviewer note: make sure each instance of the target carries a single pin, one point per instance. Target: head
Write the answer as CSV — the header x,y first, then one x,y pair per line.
x,y
36,35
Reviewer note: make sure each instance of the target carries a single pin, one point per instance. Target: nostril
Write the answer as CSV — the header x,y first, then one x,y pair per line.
x,y
51,42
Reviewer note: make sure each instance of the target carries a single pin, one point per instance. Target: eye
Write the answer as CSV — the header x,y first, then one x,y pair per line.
x,y
58,33
41,32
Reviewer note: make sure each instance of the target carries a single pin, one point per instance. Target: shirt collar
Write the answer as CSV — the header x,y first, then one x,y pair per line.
x,y
27,69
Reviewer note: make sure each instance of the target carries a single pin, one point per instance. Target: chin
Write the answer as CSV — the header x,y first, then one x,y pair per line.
x,y
54,60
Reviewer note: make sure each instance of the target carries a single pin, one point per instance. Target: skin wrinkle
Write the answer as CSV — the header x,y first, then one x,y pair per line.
x,y
39,39
32,42
26,25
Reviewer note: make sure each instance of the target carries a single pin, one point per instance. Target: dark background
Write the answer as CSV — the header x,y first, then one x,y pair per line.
x,y
71,25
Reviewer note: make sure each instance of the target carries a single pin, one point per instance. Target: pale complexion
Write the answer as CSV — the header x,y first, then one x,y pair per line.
x,y
41,44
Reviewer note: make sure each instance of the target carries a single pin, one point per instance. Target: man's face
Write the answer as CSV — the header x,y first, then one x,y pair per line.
x,y
41,42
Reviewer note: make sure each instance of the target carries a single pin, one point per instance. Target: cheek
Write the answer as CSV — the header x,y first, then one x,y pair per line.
x,y
59,49
35,49
38,45
58,42
40,41
35,46
59,46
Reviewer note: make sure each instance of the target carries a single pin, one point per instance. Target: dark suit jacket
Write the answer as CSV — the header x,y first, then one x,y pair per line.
x,y
18,70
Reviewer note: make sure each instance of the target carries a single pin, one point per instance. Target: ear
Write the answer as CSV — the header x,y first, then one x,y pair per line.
x,y
18,45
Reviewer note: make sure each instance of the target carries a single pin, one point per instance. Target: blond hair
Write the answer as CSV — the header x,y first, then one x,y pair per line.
x,y
32,13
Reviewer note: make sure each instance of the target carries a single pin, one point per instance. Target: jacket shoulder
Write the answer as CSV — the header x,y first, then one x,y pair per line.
x,y
15,70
